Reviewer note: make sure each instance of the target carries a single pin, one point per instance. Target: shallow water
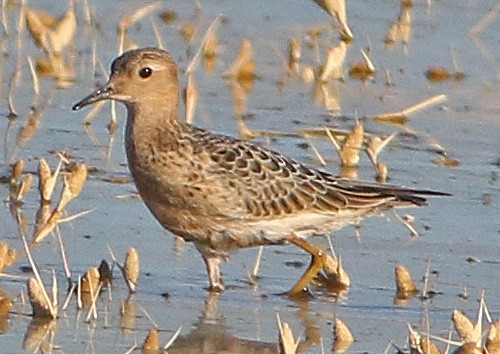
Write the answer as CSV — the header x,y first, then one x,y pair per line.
x,y
242,319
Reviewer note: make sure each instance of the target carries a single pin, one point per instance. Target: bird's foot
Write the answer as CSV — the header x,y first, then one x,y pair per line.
x,y
216,287
318,259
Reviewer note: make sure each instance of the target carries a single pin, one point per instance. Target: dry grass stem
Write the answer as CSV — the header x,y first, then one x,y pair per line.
x,y
91,280
129,20
245,132
315,150
131,269
407,221
64,31
105,273
10,102
172,339
404,282
39,304
256,266
64,257
287,343
362,70
493,338
8,256
294,53
5,25
334,61
337,9
5,304
401,117
208,45
152,342
400,30
419,344
23,187
51,34
40,301
79,301
376,145
343,336
69,295
191,98
93,304
46,179
72,184
244,65
157,33
34,78
16,172
95,109
336,274
138,14
348,149
431,101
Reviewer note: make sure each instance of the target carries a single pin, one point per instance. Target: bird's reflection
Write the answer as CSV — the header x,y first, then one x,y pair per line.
x,y
212,335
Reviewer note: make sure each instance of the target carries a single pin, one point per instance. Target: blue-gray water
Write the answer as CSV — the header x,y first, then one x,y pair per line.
x,y
466,125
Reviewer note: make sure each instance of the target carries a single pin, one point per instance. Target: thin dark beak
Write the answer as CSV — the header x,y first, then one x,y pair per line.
x,y
104,93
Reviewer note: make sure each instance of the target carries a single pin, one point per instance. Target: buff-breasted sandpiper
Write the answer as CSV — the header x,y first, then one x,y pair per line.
x,y
222,193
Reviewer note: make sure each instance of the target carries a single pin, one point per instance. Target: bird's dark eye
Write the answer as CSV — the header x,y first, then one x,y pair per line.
x,y
145,72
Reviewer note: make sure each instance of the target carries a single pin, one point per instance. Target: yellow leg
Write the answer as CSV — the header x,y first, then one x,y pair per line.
x,y
318,259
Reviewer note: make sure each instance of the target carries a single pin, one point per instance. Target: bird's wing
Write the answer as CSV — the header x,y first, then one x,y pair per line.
x,y
269,184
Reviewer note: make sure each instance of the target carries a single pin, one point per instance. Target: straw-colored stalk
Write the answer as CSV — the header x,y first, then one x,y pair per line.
x,y
428,347
63,33
105,273
338,10
362,70
129,20
287,344
23,187
132,269
334,61
38,24
336,272
191,98
5,303
72,185
90,281
343,336
349,150
468,332
39,304
46,179
244,65
211,46
294,53
7,256
138,14
404,281
376,145
493,338
16,172
152,342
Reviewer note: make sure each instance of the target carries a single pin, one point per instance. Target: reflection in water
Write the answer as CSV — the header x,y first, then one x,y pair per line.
x,y
128,315
400,30
326,94
211,334
40,336
239,94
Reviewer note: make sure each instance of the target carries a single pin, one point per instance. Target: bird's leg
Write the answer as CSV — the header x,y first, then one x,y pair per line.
x,y
318,259
213,270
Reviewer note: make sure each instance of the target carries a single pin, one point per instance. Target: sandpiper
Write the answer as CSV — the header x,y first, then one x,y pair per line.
x,y
222,193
